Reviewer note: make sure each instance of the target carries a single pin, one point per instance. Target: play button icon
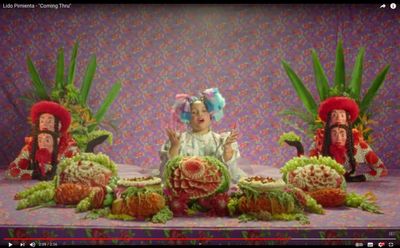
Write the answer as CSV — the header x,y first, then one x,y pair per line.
x,y
9,244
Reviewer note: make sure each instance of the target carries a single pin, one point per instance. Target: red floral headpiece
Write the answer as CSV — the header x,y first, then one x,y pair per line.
x,y
338,102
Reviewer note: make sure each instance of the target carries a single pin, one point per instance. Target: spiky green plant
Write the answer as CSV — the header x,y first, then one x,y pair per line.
x,y
340,88
85,125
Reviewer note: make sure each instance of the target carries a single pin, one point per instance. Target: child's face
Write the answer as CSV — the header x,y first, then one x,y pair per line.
x,y
338,116
201,118
338,136
45,141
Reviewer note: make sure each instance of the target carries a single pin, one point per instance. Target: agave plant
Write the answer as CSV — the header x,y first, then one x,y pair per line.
x,y
350,89
85,125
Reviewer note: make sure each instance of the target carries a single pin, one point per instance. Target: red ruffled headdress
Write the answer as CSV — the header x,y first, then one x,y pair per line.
x,y
53,108
338,102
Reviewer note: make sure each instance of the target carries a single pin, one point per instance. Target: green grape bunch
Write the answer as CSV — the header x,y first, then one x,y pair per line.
x,y
35,188
37,198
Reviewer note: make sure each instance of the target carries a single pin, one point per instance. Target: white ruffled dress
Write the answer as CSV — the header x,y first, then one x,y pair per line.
x,y
209,144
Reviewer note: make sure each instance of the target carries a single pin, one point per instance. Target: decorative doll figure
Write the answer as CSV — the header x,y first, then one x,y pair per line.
x,y
343,143
199,113
338,116
49,143
47,122
44,161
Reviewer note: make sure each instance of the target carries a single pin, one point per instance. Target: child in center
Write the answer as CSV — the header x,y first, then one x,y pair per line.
x,y
199,113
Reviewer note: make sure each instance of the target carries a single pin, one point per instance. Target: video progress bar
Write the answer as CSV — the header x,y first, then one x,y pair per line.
x,y
343,238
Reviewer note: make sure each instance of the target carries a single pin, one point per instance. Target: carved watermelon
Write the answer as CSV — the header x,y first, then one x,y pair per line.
x,y
196,177
87,169
315,177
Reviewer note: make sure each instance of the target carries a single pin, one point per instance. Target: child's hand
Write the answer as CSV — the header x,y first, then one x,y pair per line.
x,y
232,138
228,151
174,137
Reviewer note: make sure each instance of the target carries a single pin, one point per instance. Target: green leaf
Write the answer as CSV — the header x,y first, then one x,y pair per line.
x,y
92,127
37,82
303,115
60,69
304,95
356,77
112,94
29,98
321,80
162,216
87,80
109,123
72,65
295,126
372,91
340,73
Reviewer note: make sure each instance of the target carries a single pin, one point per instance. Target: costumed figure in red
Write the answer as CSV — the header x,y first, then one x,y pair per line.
x,y
343,143
49,143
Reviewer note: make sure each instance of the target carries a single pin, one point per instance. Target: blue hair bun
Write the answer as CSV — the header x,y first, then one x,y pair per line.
x,y
214,102
185,117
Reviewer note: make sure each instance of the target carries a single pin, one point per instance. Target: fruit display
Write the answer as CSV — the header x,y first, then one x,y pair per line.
x,y
197,177
323,179
329,197
314,177
88,169
140,197
197,184
265,198
71,193
80,180
38,194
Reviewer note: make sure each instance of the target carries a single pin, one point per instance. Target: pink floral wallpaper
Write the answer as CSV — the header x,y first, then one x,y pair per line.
x,y
158,51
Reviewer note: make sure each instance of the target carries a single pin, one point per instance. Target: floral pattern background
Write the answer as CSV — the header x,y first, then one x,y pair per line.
x,y
158,51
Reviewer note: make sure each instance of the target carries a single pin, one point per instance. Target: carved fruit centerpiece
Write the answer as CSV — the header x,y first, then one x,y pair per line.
x,y
322,178
80,180
266,198
197,184
139,197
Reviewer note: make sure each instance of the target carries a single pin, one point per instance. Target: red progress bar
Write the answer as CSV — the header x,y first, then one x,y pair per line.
x,y
116,238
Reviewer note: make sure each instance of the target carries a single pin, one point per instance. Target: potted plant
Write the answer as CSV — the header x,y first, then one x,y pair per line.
x,y
85,126
343,86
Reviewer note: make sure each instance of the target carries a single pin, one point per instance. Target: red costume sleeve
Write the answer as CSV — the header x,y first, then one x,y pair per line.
x,y
314,152
19,168
67,147
316,147
365,154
